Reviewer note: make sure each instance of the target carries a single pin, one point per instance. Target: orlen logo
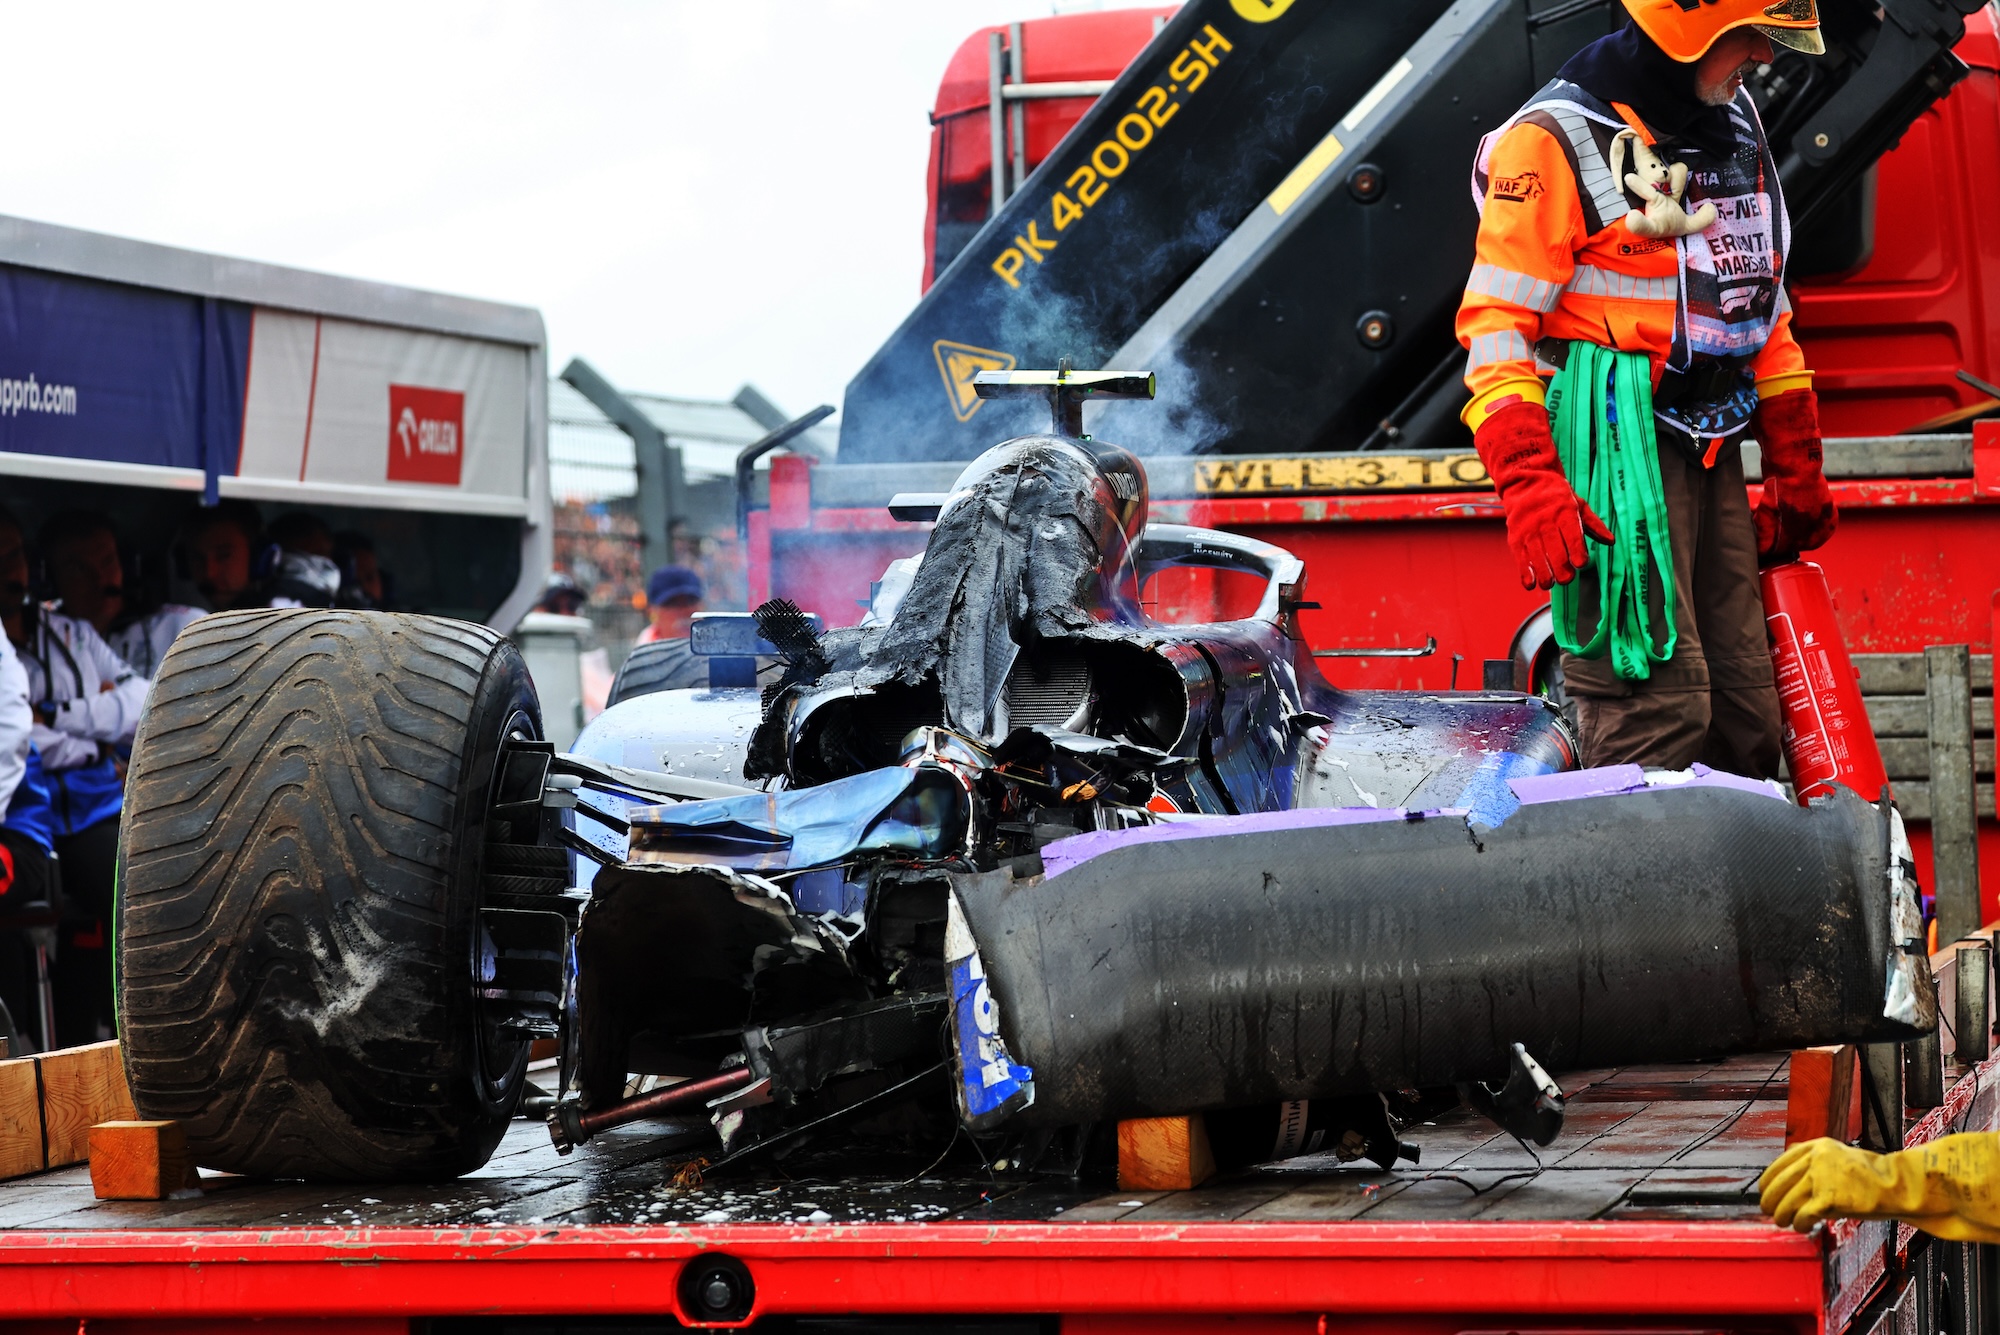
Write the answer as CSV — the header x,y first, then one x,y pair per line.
x,y
426,434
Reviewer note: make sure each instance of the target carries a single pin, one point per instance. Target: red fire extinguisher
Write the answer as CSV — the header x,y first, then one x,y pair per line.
x,y
1827,736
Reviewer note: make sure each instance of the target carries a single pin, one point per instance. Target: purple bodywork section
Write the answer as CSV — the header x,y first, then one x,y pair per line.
x,y
1567,786
1611,780
1063,854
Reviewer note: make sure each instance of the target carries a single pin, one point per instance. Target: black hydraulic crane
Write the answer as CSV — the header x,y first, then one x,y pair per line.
x,y
1271,208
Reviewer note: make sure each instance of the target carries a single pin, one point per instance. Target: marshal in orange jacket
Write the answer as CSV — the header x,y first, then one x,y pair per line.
x,y
1540,273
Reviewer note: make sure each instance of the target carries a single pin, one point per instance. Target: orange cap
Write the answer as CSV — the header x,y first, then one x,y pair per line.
x,y
1685,29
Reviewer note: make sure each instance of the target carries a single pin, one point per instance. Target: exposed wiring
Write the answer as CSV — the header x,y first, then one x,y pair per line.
x,y
956,1132
801,871
1468,1183
1733,1118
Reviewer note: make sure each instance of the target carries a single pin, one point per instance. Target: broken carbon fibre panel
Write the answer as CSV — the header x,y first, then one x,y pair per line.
x,y
1416,751
781,624
915,811
1172,977
1018,554
1035,543
683,953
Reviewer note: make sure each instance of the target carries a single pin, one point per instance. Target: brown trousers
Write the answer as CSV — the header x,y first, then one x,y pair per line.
x,y
1715,700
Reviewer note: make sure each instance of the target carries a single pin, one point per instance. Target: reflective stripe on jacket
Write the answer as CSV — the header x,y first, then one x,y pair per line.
x,y
1555,260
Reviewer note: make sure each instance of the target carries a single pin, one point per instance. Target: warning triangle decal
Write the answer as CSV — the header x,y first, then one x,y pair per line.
x,y
958,363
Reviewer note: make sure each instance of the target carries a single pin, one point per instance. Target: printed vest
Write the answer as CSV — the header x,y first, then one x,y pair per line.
x,y
1731,281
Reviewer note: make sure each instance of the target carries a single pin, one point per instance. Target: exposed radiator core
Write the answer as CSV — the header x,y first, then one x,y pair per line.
x,y
1051,687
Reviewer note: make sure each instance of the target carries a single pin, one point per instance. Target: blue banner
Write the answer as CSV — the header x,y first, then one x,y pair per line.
x,y
106,371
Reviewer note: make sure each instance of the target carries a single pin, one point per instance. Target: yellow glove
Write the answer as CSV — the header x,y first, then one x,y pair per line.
x,y
1949,1188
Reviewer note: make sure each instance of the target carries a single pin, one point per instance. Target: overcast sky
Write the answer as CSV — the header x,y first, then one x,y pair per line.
x,y
694,192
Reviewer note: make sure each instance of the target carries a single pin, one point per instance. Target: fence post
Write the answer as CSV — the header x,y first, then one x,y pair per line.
x,y
1881,1097
1954,807
1973,974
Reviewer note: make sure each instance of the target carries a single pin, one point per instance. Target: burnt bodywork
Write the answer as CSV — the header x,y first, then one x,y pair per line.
x,y
1313,960
1018,841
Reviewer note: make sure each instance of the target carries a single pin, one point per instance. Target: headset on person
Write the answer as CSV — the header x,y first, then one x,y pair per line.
x,y
264,554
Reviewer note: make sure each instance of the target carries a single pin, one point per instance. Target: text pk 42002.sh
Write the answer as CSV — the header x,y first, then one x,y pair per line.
x,y
1108,161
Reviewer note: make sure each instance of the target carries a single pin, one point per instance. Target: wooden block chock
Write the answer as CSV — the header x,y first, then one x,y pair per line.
x,y
1164,1154
140,1161
80,1088
20,1119
1821,1095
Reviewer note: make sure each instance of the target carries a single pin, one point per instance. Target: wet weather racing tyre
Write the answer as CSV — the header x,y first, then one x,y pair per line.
x,y
299,897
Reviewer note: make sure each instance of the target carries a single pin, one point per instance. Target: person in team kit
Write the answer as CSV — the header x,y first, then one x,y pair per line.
x,y
86,573
85,702
222,544
673,596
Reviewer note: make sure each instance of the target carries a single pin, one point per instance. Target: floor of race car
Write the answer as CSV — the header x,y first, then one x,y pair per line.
x,y
1670,1142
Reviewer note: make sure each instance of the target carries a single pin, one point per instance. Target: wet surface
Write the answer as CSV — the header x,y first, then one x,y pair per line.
x,y
1689,1158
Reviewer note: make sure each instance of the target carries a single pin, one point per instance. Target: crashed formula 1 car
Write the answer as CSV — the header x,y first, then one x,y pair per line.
x,y
1019,861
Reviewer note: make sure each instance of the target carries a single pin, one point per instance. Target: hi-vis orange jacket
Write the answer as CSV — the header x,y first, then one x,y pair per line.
x,y
1556,260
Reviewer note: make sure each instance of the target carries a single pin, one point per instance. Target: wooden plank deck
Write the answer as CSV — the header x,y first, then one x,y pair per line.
x,y
1655,1142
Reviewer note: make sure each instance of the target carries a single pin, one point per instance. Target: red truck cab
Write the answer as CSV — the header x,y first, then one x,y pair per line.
x,y
1887,338
1044,58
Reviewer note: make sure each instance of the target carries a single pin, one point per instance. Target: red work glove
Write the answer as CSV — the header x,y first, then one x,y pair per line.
x,y
1546,520
1796,512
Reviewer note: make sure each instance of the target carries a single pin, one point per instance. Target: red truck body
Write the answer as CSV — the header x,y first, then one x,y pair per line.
x,y
1886,341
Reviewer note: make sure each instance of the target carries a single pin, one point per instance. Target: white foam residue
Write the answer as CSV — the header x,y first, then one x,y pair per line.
x,y
347,979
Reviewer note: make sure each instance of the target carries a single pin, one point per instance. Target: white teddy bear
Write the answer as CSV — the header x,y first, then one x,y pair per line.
x,y
1661,186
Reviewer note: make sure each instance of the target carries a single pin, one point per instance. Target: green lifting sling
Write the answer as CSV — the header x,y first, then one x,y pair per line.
x,y
1622,603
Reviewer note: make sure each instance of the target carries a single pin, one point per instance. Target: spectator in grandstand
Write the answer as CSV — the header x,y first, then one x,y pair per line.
x,y
305,573
225,545
86,573
86,703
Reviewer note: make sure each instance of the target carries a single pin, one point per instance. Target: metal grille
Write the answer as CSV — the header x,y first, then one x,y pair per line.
x,y
1052,688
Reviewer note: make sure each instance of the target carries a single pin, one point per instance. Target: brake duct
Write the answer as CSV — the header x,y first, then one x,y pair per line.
x,y
1301,955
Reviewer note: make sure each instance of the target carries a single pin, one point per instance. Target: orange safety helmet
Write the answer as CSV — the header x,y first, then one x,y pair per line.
x,y
1685,29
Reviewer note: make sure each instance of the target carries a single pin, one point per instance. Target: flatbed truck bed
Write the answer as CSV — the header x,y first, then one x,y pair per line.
x,y
1643,1211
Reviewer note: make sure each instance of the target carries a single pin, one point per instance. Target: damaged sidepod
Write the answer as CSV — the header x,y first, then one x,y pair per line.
x,y
1313,954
